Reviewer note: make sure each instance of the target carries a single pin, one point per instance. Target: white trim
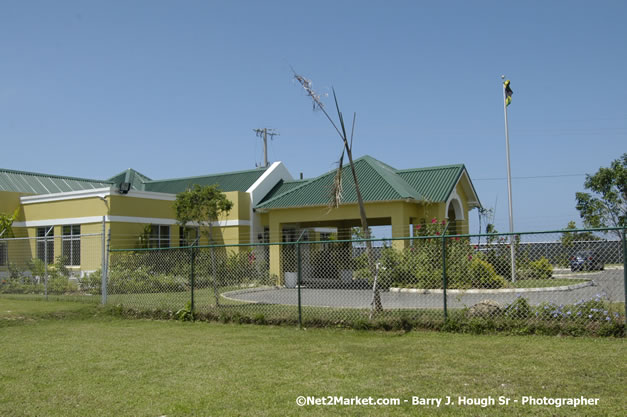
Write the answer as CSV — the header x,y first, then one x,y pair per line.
x,y
263,176
469,190
455,197
260,188
169,222
166,222
151,195
325,229
59,222
70,195
121,219
98,192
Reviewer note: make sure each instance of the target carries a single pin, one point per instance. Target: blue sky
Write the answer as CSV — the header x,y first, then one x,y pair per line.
x,y
175,88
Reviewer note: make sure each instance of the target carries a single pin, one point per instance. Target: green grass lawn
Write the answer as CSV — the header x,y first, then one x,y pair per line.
x,y
73,359
543,283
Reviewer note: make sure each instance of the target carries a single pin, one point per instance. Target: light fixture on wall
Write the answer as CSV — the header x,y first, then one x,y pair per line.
x,y
124,188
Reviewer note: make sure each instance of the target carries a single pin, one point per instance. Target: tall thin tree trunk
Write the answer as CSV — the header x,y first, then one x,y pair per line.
x,y
377,307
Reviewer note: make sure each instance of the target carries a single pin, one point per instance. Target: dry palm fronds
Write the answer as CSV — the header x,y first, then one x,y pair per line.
x,y
336,189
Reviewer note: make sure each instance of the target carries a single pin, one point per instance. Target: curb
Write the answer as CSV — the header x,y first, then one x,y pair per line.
x,y
245,291
494,291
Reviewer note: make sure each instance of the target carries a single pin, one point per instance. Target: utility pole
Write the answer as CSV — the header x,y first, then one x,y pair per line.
x,y
264,133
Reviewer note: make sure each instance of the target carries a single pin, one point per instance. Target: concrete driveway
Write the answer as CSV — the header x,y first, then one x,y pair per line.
x,y
609,284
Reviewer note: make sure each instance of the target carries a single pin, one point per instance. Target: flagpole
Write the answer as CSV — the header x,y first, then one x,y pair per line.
x,y
509,188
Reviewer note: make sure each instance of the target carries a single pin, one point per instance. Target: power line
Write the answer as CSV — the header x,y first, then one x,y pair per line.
x,y
264,133
530,177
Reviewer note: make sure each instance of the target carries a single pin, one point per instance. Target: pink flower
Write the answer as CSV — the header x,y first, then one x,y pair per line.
x,y
434,221
418,227
476,246
457,239
443,222
470,257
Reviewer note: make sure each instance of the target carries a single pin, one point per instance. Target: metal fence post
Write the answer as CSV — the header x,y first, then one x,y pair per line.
x,y
103,267
625,271
193,258
46,266
106,271
46,260
444,283
299,270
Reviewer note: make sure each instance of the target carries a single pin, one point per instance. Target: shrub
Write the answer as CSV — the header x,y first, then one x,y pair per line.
x,y
61,284
519,309
143,280
91,283
540,269
420,266
483,275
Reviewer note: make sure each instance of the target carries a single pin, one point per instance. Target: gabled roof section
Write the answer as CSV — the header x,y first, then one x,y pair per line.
x,y
229,181
377,182
435,183
135,178
35,183
282,187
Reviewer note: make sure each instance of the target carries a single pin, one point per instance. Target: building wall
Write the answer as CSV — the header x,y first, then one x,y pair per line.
x,y
399,214
127,218
9,201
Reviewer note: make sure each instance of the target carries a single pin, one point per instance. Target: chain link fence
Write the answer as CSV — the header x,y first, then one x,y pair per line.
x,y
62,267
428,280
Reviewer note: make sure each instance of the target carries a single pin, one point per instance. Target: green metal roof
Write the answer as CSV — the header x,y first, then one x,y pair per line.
x,y
377,182
434,183
282,187
34,183
136,178
229,181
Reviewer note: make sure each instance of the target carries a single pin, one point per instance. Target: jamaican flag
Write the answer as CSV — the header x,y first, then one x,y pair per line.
x,y
508,93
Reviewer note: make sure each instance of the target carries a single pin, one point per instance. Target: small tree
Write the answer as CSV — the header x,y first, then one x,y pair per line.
x,y
568,238
6,221
606,206
203,205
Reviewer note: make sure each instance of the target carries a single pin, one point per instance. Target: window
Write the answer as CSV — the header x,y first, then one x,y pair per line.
x,y
71,248
289,235
4,253
159,236
188,235
45,244
325,236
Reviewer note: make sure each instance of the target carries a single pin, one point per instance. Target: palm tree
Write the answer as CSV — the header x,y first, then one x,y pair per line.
x,y
336,192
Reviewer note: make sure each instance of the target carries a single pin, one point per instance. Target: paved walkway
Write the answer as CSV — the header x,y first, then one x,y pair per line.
x,y
608,284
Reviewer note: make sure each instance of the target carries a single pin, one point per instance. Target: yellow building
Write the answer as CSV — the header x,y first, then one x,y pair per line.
x,y
65,217
401,199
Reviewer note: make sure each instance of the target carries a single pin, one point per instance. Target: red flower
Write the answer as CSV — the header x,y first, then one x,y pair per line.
x,y
470,257
443,222
476,246
437,233
457,238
